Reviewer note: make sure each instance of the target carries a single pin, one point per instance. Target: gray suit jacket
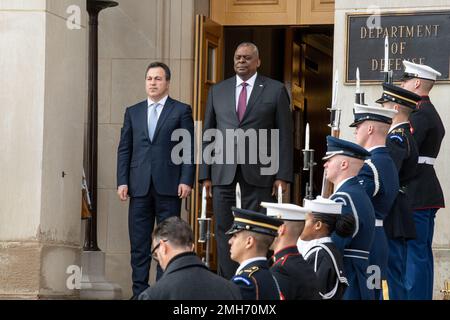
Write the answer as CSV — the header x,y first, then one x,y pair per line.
x,y
268,108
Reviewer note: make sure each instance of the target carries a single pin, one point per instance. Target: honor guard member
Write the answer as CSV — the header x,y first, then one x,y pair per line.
x,y
344,160
379,177
295,276
428,132
323,218
252,233
399,225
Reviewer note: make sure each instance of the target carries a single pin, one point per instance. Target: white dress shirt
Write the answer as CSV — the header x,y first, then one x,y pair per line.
x,y
159,108
250,84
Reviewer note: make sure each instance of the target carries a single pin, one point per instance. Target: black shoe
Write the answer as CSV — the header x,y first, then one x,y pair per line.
x,y
134,297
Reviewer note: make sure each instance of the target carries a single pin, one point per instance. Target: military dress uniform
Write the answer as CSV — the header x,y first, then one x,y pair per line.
x,y
253,276
256,282
399,225
428,132
296,277
356,249
323,255
379,178
326,259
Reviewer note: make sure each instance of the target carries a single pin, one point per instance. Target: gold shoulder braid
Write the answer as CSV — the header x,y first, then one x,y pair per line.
x,y
399,130
250,271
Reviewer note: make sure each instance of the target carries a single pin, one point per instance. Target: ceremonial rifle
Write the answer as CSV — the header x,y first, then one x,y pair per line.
x,y
335,122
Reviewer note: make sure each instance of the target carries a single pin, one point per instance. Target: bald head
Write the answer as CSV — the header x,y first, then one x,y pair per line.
x,y
341,167
371,133
422,87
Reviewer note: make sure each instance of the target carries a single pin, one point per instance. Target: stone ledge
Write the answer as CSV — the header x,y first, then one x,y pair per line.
x,y
36,270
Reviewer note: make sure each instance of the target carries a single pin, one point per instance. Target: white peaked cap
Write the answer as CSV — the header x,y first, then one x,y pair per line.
x,y
420,71
380,111
285,211
322,205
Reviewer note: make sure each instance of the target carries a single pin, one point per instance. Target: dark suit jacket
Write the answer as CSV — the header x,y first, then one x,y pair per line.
x,y
187,278
268,108
140,160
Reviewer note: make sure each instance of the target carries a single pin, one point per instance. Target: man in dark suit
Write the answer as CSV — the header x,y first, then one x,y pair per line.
x,y
185,276
254,106
427,196
146,172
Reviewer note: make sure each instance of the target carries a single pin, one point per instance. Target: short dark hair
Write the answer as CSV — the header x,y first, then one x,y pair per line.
x,y
343,224
176,230
158,64
263,241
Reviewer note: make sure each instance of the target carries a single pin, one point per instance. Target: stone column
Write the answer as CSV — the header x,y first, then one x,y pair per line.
x,y
43,95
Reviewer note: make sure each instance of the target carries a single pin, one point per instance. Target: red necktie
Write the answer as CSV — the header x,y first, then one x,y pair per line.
x,y
242,102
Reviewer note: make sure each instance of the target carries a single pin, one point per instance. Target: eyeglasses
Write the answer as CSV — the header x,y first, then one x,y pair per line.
x,y
153,253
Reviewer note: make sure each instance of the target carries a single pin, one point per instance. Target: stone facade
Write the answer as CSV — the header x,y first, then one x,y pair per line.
x,y
43,97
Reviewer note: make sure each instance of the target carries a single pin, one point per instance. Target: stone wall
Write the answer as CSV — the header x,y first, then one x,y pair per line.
x,y
43,95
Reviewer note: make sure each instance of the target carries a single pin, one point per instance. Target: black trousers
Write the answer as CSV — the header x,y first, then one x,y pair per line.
x,y
142,213
224,197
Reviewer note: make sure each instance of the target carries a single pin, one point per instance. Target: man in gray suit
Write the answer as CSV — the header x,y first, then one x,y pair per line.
x,y
256,110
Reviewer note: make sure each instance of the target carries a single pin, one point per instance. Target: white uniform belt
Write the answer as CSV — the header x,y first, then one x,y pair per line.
x,y
378,223
426,160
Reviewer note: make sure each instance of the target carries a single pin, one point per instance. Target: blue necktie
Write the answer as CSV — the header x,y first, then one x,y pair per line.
x,y
152,120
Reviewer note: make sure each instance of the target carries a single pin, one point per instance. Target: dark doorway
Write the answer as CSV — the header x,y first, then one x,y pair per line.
x,y
270,42
301,58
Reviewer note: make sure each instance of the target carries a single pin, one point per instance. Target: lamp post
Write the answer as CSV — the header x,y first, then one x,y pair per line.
x,y
93,7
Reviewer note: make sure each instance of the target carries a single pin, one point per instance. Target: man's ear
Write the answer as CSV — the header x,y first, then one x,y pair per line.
x,y
318,225
417,83
249,242
164,247
282,230
344,164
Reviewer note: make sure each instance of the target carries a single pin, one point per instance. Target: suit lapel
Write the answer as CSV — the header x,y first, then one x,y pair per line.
x,y
167,109
231,87
143,115
256,92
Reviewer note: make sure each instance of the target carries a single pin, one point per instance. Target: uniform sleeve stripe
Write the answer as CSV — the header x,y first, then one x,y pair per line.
x,y
242,279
